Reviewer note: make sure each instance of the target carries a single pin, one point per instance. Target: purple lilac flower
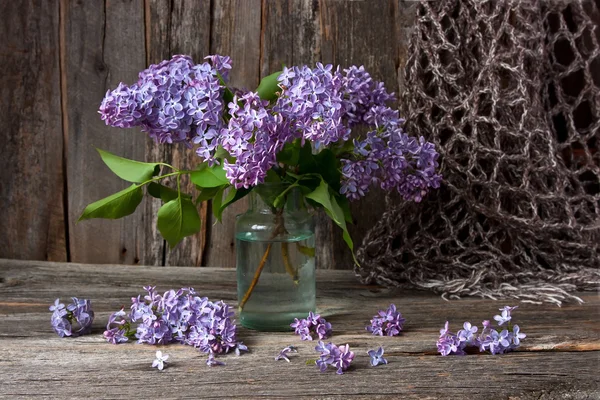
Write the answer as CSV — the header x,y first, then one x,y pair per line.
x,y
391,159
496,341
283,354
377,357
117,328
505,315
517,335
174,101
63,318
161,360
314,324
388,322
338,357
177,316
211,361
449,343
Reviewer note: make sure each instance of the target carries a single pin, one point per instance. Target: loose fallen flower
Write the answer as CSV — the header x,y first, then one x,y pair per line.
x,y
338,357
388,322
64,318
211,361
161,360
313,324
283,353
377,357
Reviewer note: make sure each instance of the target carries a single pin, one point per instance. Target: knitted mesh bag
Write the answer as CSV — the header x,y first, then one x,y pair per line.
x,y
509,92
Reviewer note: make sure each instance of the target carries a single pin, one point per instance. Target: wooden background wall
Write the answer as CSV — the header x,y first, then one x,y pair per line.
x,y
58,58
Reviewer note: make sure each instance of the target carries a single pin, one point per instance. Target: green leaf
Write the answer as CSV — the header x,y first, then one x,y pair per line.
x,y
129,170
345,205
329,167
217,202
322,196
268,87
207,193
227,94
115,206
177,219
222,153
233,196
290,154
207,177
164,193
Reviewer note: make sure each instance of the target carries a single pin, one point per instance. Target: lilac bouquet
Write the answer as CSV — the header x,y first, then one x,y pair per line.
x,y
78,314
294,129
496,341
177,317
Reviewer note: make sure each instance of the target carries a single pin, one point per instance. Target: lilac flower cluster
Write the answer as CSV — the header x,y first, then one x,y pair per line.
x,y
338,357
314,324
63,318
489,339
387,322
177,316
174,101
391,159
253,136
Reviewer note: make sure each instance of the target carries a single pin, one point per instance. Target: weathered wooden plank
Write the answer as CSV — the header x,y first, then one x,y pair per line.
x,y
31,165
236,27
560,356
104,45
346,41
178,28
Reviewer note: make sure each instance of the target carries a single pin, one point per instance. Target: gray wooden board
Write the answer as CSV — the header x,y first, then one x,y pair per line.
x,y
104,45
560,358
31,157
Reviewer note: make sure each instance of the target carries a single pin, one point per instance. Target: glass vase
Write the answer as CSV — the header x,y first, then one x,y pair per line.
x,y
275,259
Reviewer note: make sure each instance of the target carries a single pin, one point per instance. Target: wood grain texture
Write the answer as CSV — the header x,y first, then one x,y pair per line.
x,y
181,27
105,45
31,164
347,41
236,27
559,358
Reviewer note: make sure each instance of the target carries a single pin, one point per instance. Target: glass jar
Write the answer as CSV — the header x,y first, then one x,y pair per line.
x,y
275,259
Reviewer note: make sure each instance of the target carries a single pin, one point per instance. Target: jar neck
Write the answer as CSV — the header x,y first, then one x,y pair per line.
x,y
262,198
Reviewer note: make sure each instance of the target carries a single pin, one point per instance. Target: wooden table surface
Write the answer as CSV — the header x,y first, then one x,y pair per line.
x,y
559,359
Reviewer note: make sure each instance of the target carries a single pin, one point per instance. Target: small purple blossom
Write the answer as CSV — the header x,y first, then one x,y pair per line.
x,y
314,324
211,361
504,315
338,357
78,314
377,357
496,341
161,360
388,322
283,354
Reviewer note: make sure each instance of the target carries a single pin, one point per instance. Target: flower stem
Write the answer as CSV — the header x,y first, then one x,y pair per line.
x,y
263,261
286,261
